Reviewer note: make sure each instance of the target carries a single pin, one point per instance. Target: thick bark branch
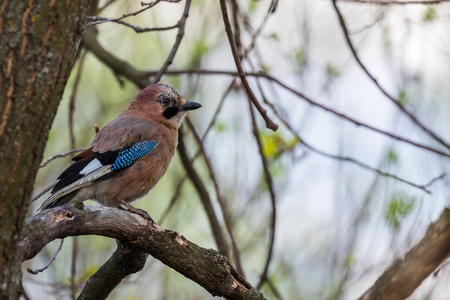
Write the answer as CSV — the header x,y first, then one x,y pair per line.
x,y
206,267
405,275
123,262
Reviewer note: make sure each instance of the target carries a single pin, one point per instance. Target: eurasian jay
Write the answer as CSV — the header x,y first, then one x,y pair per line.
x,y
129,155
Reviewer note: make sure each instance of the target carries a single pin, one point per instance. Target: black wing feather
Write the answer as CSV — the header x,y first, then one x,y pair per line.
x,y
72,173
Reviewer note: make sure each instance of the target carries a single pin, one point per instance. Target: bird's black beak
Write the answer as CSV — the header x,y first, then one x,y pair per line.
x,y
190,105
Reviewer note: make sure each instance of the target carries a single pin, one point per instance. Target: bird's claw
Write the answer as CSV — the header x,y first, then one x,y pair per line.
x,y
137,211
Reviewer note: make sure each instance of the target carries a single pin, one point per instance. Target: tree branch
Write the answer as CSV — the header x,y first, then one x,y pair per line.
x,y
118,66
123,262
405,275
394,2
269,123
206,267
394,100
202,192
309,100
177,43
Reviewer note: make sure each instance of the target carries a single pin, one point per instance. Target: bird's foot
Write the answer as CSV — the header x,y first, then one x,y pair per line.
x,y
137,211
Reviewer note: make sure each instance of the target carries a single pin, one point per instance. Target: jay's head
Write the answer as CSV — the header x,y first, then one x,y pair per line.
x,y
161,103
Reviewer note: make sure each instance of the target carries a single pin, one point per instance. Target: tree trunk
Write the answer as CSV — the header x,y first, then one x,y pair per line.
x,y
38,41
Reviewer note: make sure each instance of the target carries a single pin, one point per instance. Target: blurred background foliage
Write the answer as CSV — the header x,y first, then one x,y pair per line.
x,y
338,225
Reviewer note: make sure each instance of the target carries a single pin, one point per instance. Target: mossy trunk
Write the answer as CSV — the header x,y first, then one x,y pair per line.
x,y
38,43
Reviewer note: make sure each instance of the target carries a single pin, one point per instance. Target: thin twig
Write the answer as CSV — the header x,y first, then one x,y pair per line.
x,y
397,102
437,178
237,30
422,187
269,182
44,163
53,157
236,56
73,268
222,202
394,2
203,194
49,262
73,97
310,101
274,289
100,20
174,198
73,264
177,43
42,192
137,29
118,66
197,154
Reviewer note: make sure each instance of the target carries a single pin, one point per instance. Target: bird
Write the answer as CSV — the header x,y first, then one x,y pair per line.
x,y
129,155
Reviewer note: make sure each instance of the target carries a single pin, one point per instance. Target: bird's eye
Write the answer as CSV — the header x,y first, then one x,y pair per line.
x,y
165,101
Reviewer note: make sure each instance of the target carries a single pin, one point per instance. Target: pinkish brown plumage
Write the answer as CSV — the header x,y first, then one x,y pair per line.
x,y
129,155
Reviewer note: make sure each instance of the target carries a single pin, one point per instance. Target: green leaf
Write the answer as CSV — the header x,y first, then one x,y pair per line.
x,y
332,72
252,5
403,97
350,260
391,157
300,58
265,68
269,144
199,51
219,126
399,206
275,37
429,14
275,144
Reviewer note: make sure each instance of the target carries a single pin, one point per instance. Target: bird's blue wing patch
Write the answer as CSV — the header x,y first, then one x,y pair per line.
x,y
130,155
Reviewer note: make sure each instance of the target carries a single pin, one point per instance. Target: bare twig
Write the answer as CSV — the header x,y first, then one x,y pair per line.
x,y
100,20
73,97
137,29
423,187
269,182
222,202
221,242
53,157
236,56
46,162
394,2
42,192
73,264
73,268
218,109
118,66
174,198
310,101
397,102
49,262
177,43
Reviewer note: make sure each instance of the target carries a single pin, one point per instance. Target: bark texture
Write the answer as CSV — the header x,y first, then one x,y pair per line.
x,y
138,238
405,274
38,42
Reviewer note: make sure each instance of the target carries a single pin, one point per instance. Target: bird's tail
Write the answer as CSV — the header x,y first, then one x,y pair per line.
x,y
58,197
58,202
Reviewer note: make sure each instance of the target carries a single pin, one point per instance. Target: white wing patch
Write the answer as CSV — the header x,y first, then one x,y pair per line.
x,y
92,166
